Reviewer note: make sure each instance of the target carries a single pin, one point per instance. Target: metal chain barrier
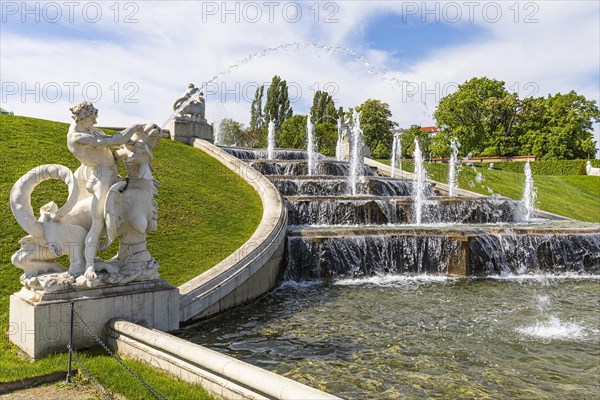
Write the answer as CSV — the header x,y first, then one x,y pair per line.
x,y
109,351
87,373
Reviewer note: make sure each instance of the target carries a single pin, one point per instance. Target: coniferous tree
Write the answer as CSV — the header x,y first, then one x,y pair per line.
x,y
256,112
323,108
277,108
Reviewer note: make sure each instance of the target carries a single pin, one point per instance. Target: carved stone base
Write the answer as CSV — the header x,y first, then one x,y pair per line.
x,y
39,322
347,151
184,130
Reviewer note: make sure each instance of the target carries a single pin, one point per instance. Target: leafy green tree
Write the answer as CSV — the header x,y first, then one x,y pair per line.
x,y
292,134
326,135
255,138
481,114
324,115
501,125
408,141
559,127
256,113
231,131
277,107
377,127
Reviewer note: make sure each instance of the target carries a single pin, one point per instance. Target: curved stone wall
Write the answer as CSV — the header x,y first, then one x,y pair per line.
x,y
251,270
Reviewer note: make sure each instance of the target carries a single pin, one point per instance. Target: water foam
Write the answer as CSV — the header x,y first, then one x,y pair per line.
x,y
393,280
554,328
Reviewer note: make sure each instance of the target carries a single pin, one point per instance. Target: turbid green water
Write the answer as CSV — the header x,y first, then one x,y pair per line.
x,y
423,337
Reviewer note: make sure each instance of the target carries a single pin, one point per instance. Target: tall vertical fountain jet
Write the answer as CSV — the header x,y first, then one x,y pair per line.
x,y
452,181
271,141
529,192
420,181
356,155
396,154
312,153
338,147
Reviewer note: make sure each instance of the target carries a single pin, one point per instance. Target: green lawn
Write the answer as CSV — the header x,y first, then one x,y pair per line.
x,y
576,196
205,213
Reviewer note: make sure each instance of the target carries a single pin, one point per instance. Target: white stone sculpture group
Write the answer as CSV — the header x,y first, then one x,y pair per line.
x,y
192,107
589,170
100,204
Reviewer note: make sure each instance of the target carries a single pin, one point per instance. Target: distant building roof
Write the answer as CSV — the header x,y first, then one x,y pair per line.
x,y
429,129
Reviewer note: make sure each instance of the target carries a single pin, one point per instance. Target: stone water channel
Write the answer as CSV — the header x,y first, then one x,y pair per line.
x,y
473,302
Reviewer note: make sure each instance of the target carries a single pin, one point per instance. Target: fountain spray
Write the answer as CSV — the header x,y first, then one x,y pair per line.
x,y
356,161
529,192
397,154
218,134
338,147
419,181
452,181
312,156
271,141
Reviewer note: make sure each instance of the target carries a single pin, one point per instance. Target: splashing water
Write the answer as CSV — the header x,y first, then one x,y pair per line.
x,y
338,147
271,141
452,181
396,160
310,148
295,46
356,158
218,134
552,327
529,192
420,181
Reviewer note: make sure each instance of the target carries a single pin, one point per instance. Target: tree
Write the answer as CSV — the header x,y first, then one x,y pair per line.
x,y
326,135
231,131
277,108
377,127
408,141
559,127
323,108
255,138
292,134
256,113
481,115
324,115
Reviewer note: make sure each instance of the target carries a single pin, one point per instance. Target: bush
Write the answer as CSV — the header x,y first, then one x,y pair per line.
x,y
544,167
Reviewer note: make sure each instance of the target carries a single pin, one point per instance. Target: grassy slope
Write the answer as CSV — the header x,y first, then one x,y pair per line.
x,y
575,197
205,213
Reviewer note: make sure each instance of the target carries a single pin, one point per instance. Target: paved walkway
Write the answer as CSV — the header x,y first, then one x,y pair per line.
x,y
57,391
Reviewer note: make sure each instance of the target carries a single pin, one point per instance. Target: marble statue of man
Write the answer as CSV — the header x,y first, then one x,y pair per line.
x,y
191,90
98,170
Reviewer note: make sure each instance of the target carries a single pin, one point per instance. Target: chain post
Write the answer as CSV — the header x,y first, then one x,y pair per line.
x,y
70,347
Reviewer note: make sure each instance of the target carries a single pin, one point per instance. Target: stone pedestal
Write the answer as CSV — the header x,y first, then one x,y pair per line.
x,y
347,150
185,130
40,322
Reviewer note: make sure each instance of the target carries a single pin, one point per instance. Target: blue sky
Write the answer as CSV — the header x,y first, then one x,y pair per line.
x,y
140,66
408,40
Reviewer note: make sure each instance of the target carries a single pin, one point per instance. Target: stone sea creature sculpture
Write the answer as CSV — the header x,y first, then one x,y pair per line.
x,y
99,204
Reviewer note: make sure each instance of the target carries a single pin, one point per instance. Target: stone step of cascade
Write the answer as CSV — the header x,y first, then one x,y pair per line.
x,y
338,253
335,186
300,167
381,210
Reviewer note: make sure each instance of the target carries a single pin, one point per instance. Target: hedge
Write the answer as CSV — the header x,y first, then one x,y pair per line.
x,y
544,167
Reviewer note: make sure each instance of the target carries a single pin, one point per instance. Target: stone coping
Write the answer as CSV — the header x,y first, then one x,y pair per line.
x,y
555,228
200,295
95,293
222,375
401,199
